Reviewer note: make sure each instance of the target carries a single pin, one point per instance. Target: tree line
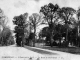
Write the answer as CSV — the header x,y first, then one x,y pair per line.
x,y
62,23
6,37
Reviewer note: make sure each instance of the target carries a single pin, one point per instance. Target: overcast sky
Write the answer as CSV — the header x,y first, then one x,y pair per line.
x,y
17,7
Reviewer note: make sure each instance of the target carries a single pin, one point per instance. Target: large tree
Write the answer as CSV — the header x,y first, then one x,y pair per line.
x,y
66,14
20,22
50,15
34,22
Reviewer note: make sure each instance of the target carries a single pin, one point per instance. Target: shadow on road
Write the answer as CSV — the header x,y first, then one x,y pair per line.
x,y
40,51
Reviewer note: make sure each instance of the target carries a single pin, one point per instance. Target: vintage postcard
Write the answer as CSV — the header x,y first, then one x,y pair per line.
x,y
39,29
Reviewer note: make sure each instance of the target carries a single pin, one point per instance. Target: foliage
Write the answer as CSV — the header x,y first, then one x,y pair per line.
x,y
61,21
50,13
5,36
34,22
19,29
5,31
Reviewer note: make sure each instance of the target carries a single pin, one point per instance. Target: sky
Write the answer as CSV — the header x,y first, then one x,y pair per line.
x,y
13,8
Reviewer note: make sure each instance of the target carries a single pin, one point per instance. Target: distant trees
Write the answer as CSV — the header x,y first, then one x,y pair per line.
x,y
3,19
5,36
5,32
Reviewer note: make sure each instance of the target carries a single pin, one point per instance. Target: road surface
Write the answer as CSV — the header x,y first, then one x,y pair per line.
x,y
32,53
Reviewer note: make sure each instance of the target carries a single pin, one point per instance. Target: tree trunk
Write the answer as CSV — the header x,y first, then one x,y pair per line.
x,y
34,36
22,43
51,42
78,36
67,42
67,35
60,43
51,38
78,30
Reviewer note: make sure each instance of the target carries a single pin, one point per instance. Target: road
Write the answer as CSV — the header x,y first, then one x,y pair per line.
x,y
31,53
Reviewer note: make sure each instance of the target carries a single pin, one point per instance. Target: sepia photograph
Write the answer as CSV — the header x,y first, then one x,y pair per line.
x,y
39,29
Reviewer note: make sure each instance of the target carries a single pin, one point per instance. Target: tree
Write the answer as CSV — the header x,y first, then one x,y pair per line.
x,y
45,33
50,15
3,27
6,33
66,14
20,21
34,22
3,19
78,27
